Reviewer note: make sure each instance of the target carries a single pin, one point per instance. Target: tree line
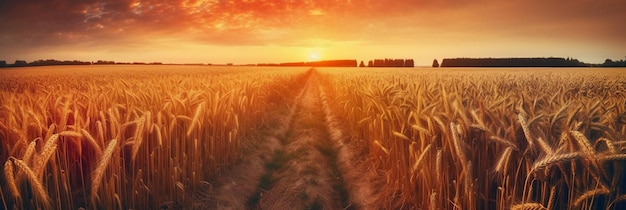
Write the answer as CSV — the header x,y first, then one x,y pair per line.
x,y
52,62
389,63
523,62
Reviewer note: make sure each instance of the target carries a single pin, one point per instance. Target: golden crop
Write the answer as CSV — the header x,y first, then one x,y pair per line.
x,y
488,139
149,137
127,137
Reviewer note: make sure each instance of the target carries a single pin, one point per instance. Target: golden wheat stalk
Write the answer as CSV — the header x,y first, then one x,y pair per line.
x,y
503,141
10,178
92,141
551,198
196,117
377,143
400,135
457,144
101,133
71,134
528,206
613,157
139,132
433,201
30,150
552,159
101,167
157,129
522,121
544,146
609,145
584,144
438,166
36,185
46,153
414,126
589,152
421,157
503,161
590,194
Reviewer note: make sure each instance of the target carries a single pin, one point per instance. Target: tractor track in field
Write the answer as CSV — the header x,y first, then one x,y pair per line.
x,y
300,164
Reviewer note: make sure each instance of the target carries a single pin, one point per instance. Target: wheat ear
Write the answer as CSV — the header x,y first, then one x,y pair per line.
x,y
544,146
48,149
552,159
10,177
38,188
457,144
588,151
139,131
196,118
522,122
101,168
584,143
377,143
504,160
613,157
438,166
93,142
590,194
528,206
30,150
503,141
419,160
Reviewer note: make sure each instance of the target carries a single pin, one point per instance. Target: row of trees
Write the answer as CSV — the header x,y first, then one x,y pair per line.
x,y
389,63
523,62
511,62
52,62
611,63
49,62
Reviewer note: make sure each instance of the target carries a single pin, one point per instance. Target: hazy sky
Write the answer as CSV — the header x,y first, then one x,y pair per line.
x,y
254,31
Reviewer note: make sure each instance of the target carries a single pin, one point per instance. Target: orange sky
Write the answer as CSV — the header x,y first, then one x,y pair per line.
x,y
255,31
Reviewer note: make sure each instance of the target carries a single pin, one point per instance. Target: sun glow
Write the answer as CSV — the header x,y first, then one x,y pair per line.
x,y
314,57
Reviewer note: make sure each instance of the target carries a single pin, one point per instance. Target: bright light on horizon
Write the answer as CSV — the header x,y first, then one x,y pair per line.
x,y
314,57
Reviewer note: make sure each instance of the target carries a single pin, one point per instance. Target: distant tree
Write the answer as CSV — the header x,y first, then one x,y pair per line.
x,y
20,63
612,63
370,64
3,63
102,62
398,63
435,63
379,63
409,63
362,64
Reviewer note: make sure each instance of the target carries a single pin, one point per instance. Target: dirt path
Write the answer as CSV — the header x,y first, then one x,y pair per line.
x,y
295,166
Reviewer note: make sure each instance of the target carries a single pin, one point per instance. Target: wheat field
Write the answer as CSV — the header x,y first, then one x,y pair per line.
x,y
489,139
126,137
196,137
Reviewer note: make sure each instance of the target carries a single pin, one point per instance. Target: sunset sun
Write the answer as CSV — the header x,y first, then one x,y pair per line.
x,y
314,56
